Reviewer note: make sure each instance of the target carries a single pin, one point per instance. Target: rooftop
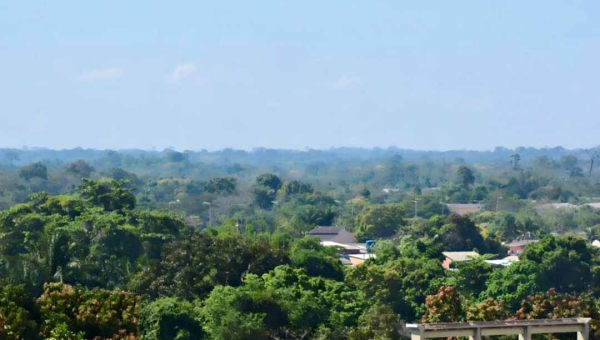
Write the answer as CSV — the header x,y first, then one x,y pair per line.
x,y
461,256
463,208
523,240
333,234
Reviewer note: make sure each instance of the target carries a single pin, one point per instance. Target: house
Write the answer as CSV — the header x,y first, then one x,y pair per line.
x,y
463,209
458,256
333,234
517,246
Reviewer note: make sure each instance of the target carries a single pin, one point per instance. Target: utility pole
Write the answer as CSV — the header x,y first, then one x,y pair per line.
x,y
416,208
209,213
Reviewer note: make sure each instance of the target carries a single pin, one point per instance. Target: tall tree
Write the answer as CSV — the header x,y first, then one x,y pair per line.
x,y
35,170
379,221
514,161
465,177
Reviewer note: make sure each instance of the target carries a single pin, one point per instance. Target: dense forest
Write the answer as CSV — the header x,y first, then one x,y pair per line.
x,y
137,244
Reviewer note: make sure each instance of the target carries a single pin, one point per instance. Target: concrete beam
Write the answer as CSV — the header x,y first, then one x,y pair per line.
x,y
556,329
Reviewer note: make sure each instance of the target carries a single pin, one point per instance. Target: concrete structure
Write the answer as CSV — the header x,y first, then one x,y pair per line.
x,y
333,234
458,256
523,328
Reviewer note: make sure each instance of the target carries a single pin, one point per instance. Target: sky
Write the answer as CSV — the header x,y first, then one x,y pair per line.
x,y
426,75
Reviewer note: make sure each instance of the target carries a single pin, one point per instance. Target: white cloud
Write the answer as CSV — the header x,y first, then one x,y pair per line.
x,y
181,72
346,82
101,74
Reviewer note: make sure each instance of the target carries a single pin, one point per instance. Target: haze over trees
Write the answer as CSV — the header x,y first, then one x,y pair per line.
x,y
211,245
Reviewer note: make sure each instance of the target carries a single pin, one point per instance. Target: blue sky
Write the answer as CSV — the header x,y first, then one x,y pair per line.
x,y
294,74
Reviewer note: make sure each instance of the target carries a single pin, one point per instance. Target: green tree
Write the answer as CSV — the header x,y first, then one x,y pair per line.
x,y
514,283
218,260
170,318
401,284
565,263
222,185
379,221
35,170
270,181
488,310
461,234
236,314
379,322
80,168
111,195
514,161
465,177
471,277
18,314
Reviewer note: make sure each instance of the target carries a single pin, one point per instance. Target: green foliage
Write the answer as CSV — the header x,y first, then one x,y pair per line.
x,y
379,221
465,176
254,275
80,168
170,318
565,263
35,170
18,314
111,195
514,283
285,303
222,185
379,322
402,284
192,267
318,263
471,278
461,234
488,310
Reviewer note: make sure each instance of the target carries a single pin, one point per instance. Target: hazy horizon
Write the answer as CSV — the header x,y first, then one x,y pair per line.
x,y
192,76
258,148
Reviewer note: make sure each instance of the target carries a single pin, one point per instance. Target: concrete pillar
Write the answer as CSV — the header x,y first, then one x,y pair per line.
x,y
476,334
414,336
526,333
585,332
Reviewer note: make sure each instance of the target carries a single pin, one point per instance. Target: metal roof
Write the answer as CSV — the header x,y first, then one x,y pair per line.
x,y
461,256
